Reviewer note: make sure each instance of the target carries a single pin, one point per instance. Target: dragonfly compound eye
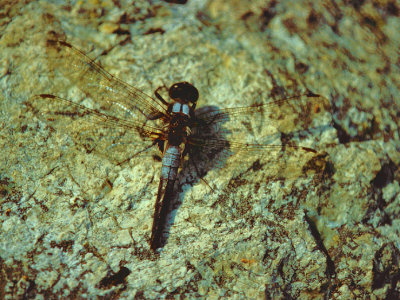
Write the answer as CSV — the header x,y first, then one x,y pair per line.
x,y
184,91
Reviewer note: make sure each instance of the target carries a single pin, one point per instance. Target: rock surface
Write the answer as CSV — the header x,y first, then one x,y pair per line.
x,y
76,225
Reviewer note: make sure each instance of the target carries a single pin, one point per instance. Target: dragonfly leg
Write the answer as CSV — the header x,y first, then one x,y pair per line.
x,y
158,95
193,162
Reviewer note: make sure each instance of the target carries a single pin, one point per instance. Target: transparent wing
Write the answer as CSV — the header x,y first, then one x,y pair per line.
x,y
109,94
271,134
94,131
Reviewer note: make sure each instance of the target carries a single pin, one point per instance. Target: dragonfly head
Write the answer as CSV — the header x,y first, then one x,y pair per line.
x,y
183,92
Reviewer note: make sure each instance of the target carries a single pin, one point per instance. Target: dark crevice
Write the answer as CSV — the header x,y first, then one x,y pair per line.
x,y
343,136
267,15
330,271
385,175
330,266
386,271
176,1
154,30
115,279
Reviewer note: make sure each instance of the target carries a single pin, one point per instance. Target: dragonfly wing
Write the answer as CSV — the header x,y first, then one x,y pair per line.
x,y
109,94
289,115
280,161
269,134
92,130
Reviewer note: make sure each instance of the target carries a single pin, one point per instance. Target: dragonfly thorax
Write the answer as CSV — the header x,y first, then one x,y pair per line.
x,y
180,108
178,128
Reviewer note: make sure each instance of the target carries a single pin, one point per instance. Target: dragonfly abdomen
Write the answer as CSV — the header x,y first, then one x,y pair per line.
x,y
169,171
170,163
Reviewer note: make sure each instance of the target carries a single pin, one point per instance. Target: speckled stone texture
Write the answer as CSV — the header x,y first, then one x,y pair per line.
x,y
76,225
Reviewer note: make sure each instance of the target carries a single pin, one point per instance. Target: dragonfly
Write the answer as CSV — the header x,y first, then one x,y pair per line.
x,y
122,122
